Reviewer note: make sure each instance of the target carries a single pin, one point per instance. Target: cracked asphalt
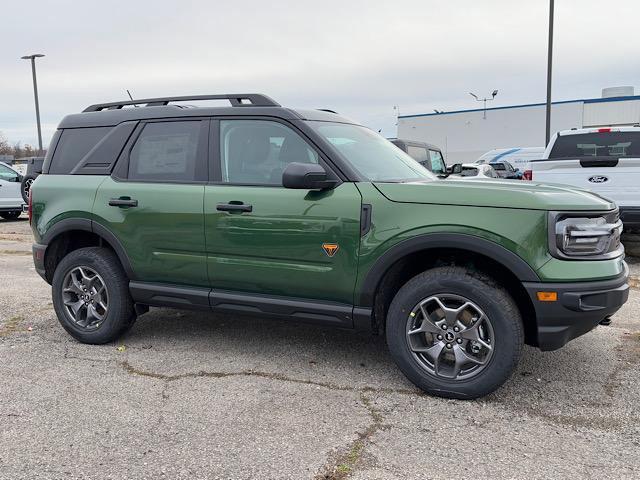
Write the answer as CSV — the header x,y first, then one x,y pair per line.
x,y
190,395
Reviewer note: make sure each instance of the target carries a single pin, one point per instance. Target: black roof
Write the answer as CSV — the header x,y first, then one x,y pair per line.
x,y
246,104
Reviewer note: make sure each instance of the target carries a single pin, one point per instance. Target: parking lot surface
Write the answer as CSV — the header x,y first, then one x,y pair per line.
x,y
196,395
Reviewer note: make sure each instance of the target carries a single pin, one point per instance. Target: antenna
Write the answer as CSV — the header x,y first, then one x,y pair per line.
x,y
129,93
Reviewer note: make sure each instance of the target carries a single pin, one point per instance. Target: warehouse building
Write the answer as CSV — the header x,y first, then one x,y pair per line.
x,y
465,135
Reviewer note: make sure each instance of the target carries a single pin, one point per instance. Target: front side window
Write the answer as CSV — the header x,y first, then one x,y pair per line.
x,y
256,152
418,153
7,174
437,162
167,151
372,156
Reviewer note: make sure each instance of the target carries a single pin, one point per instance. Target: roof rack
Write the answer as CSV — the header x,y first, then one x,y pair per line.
x,y
236,100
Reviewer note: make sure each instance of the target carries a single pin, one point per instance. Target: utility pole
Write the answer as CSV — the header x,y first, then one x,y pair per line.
x,y
35,95
549,63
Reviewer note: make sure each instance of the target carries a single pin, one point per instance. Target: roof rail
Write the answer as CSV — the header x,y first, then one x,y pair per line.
x,y
236,100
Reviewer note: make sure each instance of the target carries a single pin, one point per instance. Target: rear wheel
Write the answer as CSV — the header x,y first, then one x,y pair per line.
x,y
10,215
91,296
455,333
27,181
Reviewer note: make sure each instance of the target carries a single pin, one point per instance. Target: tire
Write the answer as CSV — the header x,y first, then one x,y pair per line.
x,y
119,314
490,316
25,185
10,215
631,242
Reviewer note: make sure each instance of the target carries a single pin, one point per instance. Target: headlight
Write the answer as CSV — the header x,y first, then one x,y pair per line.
x,y
585,235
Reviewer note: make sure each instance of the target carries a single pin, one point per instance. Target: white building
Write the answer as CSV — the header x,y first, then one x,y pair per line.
x,y
464,135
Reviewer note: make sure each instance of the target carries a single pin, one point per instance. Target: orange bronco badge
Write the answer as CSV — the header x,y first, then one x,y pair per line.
x,y
330,248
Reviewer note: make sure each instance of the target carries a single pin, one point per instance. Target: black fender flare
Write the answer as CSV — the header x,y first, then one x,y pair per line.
x,y
84,224
515,264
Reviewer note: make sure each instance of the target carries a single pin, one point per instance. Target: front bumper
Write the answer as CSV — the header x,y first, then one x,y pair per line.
x,y
580,307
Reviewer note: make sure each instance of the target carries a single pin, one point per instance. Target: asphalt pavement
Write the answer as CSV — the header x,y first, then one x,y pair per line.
x,y
191,395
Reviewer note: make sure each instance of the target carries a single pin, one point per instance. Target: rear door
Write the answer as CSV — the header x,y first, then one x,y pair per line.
x,y
10,196
265,239
606,162
153,203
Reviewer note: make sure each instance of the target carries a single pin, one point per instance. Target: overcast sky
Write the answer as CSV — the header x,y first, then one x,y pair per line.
x,y
359,58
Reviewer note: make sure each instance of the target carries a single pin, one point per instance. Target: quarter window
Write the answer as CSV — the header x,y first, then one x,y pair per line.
x,y
258,151
74,144
167,151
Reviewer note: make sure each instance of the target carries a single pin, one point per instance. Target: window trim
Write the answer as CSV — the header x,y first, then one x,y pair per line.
x,y
121,170
215,171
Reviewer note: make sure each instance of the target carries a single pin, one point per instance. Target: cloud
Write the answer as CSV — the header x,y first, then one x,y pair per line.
x,y
357,57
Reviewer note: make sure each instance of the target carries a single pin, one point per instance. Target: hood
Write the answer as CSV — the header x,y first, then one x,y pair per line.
x,y
503,194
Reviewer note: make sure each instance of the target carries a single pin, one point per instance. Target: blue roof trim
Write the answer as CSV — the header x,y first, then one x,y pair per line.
x,y
584,100
504,154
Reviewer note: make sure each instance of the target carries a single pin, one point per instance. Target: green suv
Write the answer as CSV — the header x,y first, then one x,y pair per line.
x,y
260,209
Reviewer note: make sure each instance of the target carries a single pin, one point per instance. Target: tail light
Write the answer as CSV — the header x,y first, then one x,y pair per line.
x,y
604,130
527,175
30,206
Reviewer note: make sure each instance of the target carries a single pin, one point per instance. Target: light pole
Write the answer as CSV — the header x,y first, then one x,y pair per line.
x,y
35,94
549,62
485,100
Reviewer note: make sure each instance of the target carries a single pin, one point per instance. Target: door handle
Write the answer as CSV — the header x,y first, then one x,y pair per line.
x,y
234,207
123,202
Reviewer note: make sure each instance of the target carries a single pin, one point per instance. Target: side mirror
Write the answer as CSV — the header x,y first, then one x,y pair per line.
x,y
306,176
455,168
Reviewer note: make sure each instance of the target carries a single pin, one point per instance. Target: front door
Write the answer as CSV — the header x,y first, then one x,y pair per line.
x,y
154,202
10,196
266,239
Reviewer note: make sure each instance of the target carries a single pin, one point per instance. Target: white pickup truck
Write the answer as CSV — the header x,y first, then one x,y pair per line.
x,y
11,202
603,160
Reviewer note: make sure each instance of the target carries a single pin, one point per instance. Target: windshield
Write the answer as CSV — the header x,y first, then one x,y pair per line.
x,y
498,166
374,157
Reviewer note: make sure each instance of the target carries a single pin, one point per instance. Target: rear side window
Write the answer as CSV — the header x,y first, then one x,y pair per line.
x,y
597,144
73,145
167,151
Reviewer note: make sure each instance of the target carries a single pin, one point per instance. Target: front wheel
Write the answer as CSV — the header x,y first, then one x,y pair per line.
x,y
455,333
91,296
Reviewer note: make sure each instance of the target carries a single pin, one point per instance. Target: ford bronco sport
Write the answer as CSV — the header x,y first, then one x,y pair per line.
x,y
256,208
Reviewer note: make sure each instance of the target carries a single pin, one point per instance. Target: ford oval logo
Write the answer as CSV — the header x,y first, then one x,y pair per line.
x,y
598,179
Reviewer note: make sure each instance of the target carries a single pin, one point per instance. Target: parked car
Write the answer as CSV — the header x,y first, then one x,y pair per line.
x,y
427,155
472,171
257,208
10,199
605,161
519,157
33,168
505,170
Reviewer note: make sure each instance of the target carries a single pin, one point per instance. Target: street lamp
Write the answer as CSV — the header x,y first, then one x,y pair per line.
x,y
484,110
35,94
